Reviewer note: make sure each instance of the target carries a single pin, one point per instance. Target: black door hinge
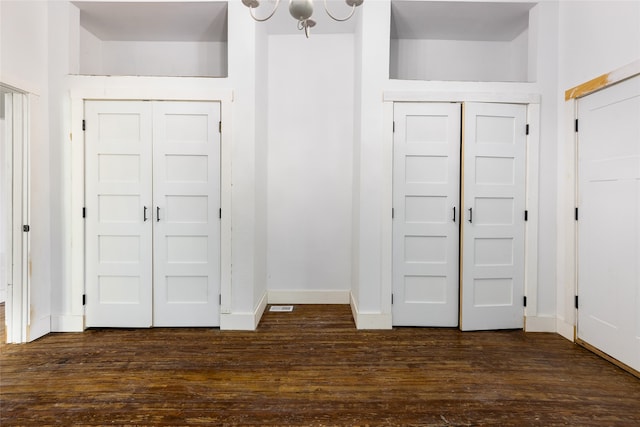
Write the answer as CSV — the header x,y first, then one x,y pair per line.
x,y
220,299
84,125
576,214
525,301
393,213
220,126
576,302
576,125
526,215
391,299
84,299
394,127
527,129
84,212
26,228
220,213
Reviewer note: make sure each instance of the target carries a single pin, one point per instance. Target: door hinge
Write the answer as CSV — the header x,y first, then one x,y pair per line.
x,y
84,212
393,213
576,125
26,228
220,299
527,129
576,214
576,302
391,299
220,126
524,301
394,127
220,213
526,215
84,299
84,125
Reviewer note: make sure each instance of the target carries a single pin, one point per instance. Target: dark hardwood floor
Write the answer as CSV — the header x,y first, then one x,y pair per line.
x,y
311,368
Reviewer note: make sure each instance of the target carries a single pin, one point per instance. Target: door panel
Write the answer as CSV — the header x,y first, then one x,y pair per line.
x,y
494,203
426,173
609,225
187,203
118,198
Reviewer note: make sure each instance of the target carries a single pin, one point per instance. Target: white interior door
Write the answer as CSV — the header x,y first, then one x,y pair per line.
x,y
118,213
609,221
186,171
426,182
494,147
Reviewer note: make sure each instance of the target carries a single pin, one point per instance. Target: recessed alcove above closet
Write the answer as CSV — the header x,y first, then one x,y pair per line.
x,y
173,39
460,41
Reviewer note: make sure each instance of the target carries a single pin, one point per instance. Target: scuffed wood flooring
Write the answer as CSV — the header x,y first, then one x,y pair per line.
x,y
311,367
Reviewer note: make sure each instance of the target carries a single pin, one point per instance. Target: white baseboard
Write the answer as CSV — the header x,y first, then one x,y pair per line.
x,y
540,324
244,321
67,323
369,320
38,328
308,297
565,329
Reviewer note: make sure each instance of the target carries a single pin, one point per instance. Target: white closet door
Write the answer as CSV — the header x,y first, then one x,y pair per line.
x,y
609,221
494,148
426,180
186,173
118,197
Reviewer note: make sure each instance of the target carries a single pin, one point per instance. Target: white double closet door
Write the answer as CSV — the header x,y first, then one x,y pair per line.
x,y
459,212
152,192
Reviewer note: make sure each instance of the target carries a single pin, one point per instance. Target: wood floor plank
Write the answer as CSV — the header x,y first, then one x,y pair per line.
x,y
311,367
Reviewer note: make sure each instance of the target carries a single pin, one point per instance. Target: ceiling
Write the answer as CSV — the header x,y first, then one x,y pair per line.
x,y
154,21
207,20
447,20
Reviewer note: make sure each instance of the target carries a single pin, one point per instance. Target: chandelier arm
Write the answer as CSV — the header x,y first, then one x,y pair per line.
x,y
275,7
326,9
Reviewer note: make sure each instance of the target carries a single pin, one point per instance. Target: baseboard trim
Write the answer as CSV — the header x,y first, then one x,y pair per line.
x,y
565,329
67,323
308,297
369,320
540,324
244,321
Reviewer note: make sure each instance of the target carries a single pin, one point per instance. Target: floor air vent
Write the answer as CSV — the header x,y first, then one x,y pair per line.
x,y
281,308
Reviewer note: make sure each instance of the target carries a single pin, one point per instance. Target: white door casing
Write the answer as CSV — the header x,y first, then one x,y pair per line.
x,y
186,150
493,231
609,221
118,196
426,179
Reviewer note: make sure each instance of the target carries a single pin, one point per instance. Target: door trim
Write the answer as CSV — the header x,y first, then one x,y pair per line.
x,y
566,240
536,323
136,89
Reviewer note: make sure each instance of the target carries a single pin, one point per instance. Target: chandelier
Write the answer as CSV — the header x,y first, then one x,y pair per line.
x,y
302,11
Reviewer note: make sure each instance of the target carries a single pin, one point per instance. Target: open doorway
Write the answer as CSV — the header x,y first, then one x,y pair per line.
x,y
14,240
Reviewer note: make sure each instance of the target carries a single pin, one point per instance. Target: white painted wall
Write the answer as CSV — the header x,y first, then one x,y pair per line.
x,y
146,58
571,42
461,60
90,55
371,288
595,37
261,156
4,208
370,291
24,32
310,117
64,50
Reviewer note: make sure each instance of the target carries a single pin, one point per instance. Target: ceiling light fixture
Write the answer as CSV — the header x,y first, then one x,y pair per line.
x,y
302,11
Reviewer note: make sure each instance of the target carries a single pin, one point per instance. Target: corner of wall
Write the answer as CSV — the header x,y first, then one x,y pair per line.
x,y
369,320
244,321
